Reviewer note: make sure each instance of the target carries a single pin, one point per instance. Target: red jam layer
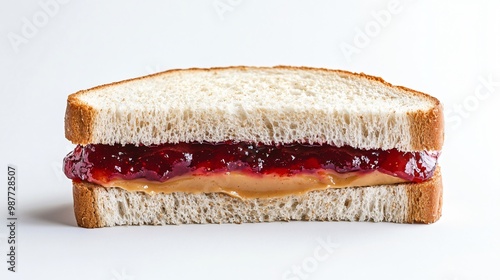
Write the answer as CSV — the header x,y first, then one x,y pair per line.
x,y
102,163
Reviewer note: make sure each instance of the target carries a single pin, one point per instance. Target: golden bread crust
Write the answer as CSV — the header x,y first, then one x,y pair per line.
x,y
85,205
427,129
79,120
425,200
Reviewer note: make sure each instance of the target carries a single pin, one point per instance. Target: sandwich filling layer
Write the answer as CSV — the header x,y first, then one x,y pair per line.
x,y
246,186
244,169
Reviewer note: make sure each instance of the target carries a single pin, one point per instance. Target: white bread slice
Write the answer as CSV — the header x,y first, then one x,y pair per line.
x,y
96,206
257,104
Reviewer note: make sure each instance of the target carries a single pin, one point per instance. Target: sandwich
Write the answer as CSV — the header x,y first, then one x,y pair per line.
x,y
253,144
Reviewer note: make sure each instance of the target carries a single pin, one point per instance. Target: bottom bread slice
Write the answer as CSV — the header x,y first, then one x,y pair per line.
x,y
97,206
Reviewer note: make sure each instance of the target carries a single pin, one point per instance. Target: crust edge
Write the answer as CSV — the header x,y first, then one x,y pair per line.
x,y
78,121
85,207
427,129
425,200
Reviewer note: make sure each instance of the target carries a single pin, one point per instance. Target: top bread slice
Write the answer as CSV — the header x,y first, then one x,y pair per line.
x,y
279,104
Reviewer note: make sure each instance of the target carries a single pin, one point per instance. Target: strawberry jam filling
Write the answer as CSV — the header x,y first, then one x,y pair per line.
x,y
102,163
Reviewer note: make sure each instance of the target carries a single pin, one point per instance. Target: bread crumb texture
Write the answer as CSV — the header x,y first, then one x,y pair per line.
x,y
268,105
119,207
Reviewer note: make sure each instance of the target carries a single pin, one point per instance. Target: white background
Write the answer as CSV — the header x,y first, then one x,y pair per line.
x,y
444,48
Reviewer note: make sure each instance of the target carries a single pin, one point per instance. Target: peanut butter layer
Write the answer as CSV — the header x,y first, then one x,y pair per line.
x,y
247,186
